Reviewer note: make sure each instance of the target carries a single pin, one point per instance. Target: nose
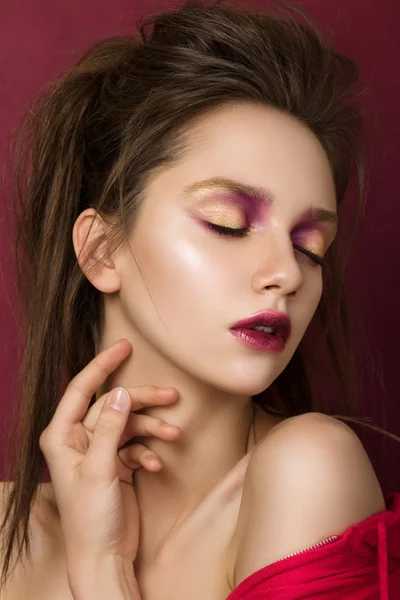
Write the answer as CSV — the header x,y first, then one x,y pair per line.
x,y
277,266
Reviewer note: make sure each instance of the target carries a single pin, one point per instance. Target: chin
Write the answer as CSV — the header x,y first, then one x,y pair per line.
x,y
238,375
246,388
246,382
250,380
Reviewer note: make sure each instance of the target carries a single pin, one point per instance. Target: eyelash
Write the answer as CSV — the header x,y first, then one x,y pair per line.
x,y
239,233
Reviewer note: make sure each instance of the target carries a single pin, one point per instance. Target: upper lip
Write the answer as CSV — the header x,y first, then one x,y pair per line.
x,y
279,321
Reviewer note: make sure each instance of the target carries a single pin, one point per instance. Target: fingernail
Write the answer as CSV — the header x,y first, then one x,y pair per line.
x,y
119,399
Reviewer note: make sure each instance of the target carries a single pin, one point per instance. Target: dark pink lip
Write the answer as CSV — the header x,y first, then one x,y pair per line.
x,y
280,322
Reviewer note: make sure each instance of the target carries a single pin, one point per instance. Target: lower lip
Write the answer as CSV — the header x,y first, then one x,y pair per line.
x,y
259,340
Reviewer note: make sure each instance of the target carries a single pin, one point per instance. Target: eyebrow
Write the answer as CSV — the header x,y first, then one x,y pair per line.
x,y
262,194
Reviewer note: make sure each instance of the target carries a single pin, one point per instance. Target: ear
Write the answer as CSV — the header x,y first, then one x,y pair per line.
x,y
89,236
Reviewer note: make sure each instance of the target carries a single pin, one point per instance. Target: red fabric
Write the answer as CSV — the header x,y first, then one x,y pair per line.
x,y
363,563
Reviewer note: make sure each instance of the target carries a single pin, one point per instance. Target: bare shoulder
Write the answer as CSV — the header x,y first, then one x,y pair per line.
x,y
310,478
40,577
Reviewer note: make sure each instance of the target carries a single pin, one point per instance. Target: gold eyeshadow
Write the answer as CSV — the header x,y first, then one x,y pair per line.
x,y
228,212
222,215
311,240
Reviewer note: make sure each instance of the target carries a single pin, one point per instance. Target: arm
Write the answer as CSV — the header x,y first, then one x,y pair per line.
x,y
108,578
39,578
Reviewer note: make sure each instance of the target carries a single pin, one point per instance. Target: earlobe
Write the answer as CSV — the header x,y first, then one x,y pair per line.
x,y
89,239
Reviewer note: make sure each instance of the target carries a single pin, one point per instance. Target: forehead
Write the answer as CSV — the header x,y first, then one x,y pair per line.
x,y
262,146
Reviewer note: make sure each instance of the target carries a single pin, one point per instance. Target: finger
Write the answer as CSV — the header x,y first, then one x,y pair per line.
x,y
74,404
124,473
145,395
137,456
145,425
148,395
101,457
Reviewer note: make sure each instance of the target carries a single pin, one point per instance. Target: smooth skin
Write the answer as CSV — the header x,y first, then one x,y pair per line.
x,y
322,483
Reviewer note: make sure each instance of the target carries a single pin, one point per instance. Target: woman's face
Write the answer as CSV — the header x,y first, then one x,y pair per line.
x,y
195,283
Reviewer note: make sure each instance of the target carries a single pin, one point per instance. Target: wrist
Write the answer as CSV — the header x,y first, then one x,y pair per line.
x,y
103,578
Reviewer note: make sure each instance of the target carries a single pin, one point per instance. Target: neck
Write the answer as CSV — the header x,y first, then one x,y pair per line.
x,y
192,468
215,436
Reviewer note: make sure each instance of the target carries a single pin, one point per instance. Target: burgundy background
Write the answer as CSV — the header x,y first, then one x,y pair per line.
x,y
38,39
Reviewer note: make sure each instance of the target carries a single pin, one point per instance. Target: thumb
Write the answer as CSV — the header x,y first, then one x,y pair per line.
x,y
110,425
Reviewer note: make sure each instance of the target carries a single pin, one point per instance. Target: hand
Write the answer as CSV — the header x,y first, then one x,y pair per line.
x,y
92,486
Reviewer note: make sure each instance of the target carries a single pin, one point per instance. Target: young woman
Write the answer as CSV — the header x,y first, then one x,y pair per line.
x,y
177,236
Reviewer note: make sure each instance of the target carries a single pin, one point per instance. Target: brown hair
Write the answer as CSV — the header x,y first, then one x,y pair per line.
x,y
120,116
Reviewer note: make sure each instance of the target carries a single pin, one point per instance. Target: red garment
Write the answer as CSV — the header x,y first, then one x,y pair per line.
x,y
363,563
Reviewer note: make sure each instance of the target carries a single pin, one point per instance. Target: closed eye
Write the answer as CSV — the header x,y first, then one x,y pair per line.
x,y
314,257
242,232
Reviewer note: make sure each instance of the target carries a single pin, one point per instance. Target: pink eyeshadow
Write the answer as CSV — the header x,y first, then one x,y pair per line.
x,y
254,209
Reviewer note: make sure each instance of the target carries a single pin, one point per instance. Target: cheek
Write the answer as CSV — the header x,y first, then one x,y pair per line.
x,y
304,307
307,305
178,275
